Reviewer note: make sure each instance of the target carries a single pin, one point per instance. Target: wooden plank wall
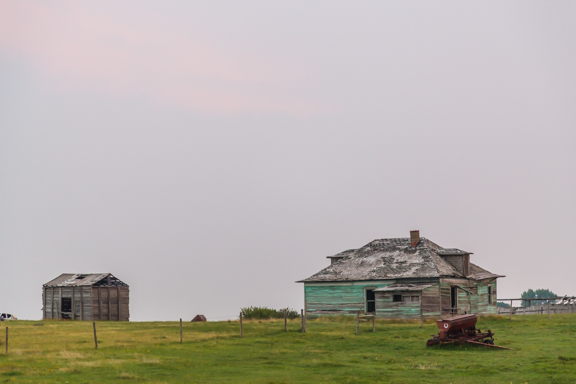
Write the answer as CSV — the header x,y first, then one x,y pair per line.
x,y
472,299
483,305
349,298
338,299
445,298
86,303
106,306
80,297
386,308
51,303
431,302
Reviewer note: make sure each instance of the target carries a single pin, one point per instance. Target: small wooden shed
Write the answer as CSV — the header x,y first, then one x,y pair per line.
x,y
92,296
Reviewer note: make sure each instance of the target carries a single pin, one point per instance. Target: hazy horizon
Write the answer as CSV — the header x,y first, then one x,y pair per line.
x,y
211,154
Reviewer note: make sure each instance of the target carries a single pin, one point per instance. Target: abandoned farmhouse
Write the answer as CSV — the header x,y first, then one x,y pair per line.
x,y
401,278
95,296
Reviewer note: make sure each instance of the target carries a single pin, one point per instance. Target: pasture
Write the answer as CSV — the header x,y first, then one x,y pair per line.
x,y
543,351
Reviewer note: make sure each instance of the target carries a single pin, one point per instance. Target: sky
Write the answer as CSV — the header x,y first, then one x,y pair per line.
x,y
212,153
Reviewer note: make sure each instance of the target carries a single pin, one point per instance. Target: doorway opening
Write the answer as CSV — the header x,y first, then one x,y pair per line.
x,y
454,300
66,307
370,301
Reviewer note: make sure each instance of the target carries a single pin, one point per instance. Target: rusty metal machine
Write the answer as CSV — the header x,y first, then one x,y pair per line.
x,y
462,329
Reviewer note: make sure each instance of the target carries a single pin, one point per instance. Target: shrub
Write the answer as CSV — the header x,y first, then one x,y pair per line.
x,y
268,313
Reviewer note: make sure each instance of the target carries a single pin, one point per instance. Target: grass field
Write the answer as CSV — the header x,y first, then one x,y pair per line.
x,y
544,351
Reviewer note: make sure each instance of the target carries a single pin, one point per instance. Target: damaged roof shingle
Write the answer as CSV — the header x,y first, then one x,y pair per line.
x,y
85,280
386,259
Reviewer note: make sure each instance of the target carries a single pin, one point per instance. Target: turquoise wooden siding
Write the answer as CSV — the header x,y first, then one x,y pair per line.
x,y
472,296
338,299
349,298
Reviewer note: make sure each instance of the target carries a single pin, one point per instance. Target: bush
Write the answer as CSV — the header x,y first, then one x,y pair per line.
x,y
259,313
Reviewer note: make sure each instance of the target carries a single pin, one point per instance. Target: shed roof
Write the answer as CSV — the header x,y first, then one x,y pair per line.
x,y
85,280
386,259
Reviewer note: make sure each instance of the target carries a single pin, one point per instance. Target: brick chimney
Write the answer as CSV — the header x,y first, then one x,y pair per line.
x,y
414,238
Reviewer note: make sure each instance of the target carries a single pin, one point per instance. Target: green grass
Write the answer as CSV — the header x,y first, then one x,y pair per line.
x,y
544,351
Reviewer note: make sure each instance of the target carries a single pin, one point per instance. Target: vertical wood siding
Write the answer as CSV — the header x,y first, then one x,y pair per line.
x,y
88,303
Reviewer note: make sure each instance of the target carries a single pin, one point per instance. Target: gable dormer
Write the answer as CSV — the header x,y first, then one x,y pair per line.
x,y
457,258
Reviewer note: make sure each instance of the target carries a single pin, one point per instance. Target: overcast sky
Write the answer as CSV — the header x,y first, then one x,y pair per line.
x,y
210,154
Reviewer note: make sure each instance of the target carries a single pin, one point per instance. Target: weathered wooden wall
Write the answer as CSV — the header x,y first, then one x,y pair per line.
x,y
460,262
472,296
483,305
337,298
81,303
111,303
88,303
350,297
345,298
388,309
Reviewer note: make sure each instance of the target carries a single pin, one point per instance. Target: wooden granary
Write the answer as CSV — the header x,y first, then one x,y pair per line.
x,y
93,296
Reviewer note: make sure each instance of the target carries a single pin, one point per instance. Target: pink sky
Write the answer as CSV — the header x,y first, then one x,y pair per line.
x,y
77,48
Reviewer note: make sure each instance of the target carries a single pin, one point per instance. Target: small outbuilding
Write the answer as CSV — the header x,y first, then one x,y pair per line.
x,y
92,296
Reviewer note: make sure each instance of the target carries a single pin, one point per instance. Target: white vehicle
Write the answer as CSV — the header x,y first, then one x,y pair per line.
x,y
7,316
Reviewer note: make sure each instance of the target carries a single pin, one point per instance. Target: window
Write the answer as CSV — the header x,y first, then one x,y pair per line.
x,y
397,298
489,294
415,298
370,301
406,299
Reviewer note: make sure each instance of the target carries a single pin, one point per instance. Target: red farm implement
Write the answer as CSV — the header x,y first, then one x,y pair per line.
x,y
462,329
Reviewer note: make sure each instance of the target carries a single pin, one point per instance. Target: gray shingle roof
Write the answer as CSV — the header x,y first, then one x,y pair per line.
x,y
84,280
387,259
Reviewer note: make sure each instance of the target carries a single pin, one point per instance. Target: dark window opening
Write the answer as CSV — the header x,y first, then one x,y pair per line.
x,y
489,295
454,299
66,307
397,298
370,301
80,277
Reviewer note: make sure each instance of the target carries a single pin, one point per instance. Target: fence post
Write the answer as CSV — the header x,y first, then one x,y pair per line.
x,y
548,308
357,322
305,319
285,321
302,320
6,340
95,338
241,330
510,309
180,330
374,322
421,317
